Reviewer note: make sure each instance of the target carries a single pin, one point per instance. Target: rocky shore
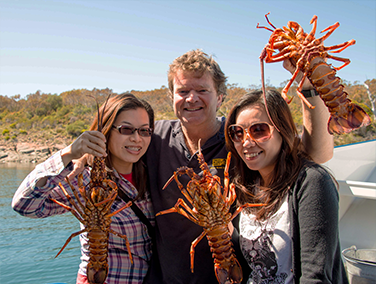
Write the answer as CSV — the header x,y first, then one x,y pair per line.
x,y
28,152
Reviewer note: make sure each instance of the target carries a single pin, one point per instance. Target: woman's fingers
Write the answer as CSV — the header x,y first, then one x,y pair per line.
x,y
89,142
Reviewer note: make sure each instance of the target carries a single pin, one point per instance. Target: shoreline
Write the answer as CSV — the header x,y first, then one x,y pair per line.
x,y
27,152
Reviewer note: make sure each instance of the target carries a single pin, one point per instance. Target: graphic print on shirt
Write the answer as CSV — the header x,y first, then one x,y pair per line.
x,y
256,244
218,163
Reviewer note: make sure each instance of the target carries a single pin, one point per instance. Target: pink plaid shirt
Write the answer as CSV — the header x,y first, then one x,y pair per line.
x,y
34,202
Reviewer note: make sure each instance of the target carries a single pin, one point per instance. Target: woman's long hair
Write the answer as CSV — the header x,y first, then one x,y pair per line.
x,y
289,162
115,105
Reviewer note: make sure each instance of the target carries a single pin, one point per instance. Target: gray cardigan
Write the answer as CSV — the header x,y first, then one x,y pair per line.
x,y
315,234
316,253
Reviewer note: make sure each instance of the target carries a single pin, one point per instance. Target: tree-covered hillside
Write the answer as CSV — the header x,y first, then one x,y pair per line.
x,y
50,118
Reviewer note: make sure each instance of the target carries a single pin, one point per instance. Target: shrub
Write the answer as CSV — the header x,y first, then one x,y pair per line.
x,y
5,131
76,128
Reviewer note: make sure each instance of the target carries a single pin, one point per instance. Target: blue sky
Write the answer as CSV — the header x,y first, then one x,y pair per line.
x,y
56,46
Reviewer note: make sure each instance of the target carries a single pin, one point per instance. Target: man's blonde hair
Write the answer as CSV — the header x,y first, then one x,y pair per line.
x,y
198,62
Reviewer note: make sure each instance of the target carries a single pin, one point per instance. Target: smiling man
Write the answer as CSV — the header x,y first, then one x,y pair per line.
x,y
197,87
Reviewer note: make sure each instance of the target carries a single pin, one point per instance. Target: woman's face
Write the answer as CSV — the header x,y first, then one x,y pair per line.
x,y
124,150
258,156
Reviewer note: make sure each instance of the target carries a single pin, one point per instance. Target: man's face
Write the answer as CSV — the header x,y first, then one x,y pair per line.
x,y
195,98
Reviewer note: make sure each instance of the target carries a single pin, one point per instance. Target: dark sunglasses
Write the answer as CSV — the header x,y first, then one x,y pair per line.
x,y
259,132
129,130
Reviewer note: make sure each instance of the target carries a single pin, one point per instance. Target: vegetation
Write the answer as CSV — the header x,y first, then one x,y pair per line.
x,y
51,118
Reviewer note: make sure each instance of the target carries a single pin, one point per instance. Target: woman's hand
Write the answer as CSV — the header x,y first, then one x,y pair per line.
x,y
291,67
89,142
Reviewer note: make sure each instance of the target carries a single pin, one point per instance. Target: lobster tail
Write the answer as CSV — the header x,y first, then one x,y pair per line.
x,y
356,117
338,125
234,273
227,267
96,274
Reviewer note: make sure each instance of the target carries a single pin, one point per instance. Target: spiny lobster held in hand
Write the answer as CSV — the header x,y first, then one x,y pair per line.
x,y
95,215
308,53
211,210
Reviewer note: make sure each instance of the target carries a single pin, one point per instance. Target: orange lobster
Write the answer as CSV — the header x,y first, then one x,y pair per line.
x,y
303,49
95,215
211,209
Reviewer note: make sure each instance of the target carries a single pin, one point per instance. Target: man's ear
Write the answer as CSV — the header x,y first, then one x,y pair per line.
x,y
219,101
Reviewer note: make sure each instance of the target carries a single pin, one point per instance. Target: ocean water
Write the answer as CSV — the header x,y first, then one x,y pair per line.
x,y
28,246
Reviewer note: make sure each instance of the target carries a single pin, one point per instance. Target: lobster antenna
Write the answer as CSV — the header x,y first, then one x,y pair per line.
x,y
263,87
262,57
100,118
104,107
266,28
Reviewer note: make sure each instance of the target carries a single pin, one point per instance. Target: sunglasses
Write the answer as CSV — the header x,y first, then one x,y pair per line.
x,y
129,130
259,132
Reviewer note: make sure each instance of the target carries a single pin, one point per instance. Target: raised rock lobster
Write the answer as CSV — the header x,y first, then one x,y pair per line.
x,y
211,209
95,215
304,49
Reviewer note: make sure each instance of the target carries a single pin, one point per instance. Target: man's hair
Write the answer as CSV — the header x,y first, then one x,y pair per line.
x,y
198,62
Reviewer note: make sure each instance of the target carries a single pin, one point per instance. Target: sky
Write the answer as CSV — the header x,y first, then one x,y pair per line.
x,y
56,46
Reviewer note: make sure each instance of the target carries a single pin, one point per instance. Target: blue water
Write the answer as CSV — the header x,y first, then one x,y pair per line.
x,y
28,246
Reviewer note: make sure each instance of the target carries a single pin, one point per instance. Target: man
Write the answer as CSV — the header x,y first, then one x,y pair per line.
x,y
197,87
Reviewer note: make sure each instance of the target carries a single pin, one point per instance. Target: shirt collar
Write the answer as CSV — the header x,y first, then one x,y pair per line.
x,y
178,135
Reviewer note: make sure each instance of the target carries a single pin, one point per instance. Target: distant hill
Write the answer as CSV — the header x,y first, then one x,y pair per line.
x,y
51,119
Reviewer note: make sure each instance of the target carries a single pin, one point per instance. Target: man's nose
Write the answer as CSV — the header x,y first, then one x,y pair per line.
x,y
192,96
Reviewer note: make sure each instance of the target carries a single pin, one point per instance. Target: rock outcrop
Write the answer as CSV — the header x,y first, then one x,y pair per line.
x,y
24,152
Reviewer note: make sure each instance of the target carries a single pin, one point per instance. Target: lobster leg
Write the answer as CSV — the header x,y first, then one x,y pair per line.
x,y
121,209
126,243
345,60
267,19
193,246
232,196
74,212
181,171
311,35
69,239
179,210
239,209
299,92
109,200
226,180
342,46
288,85
330,30
70,199
75,191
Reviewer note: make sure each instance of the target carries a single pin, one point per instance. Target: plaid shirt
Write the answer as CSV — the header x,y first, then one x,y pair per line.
x,y
34,202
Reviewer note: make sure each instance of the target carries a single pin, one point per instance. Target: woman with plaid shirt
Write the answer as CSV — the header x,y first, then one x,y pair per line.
x,y
128,124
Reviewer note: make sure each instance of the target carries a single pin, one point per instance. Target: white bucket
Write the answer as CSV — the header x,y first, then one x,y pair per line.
x,y
360,265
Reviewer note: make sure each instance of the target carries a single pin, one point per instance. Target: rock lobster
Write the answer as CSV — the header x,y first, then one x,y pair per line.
x,y
211,210
308,53
95,214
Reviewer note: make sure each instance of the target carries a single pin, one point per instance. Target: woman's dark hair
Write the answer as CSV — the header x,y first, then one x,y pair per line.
x,y
115,105
289,162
